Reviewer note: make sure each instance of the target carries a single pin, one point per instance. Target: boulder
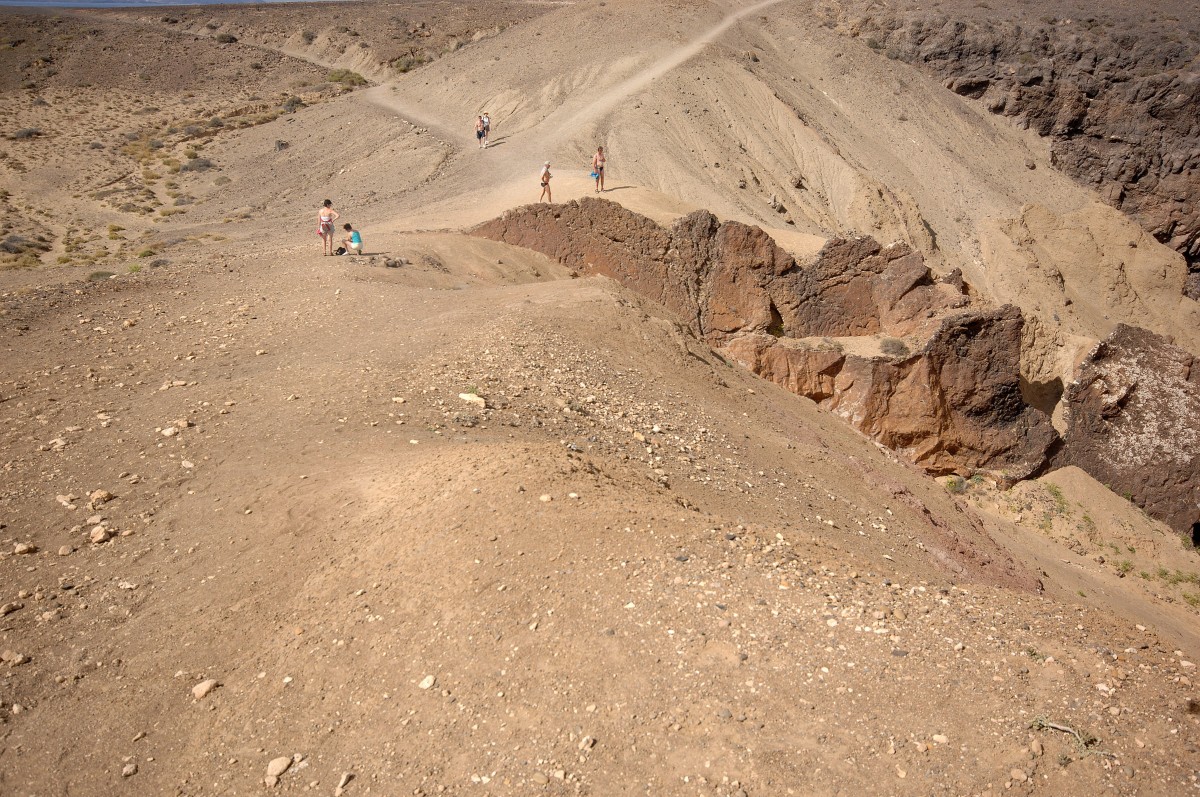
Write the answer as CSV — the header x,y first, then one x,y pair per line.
x,y
954,406
1133,423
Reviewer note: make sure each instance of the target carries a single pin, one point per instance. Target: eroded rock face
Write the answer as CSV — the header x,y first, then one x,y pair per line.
x,y
1116,93
954,406
730,278
1134,424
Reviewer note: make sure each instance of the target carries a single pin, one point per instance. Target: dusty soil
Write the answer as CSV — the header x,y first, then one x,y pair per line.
x,y
469,525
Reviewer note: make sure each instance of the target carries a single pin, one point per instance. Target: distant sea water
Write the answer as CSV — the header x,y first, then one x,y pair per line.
x,y
144,3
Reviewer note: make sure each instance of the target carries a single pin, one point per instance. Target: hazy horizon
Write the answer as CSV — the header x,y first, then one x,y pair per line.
x,y
143,3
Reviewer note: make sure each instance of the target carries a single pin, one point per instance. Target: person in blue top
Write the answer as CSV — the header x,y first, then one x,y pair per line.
x,y
353,241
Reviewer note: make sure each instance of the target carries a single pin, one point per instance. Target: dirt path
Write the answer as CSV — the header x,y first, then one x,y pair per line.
x,y
488,182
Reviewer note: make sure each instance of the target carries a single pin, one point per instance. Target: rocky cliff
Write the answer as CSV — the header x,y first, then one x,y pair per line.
x,y
1116,89
953,404
1134,424
866,331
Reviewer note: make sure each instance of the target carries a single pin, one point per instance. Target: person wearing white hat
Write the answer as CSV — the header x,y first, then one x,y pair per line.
x,y
545,181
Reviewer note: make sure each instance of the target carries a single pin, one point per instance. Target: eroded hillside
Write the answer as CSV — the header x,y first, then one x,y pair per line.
x,y
520,516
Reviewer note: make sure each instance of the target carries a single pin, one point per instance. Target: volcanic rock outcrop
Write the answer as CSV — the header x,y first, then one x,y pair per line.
x,y
1115,92
1134,424
954,405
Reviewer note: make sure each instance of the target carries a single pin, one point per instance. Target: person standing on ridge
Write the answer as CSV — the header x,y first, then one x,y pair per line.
x,y
545,181
326,216
487,128
598,161
479,134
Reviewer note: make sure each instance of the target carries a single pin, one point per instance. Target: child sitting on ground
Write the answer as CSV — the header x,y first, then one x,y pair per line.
x,y
353,242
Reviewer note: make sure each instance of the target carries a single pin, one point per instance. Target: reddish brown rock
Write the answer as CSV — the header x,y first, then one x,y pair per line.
x,y
954,406
727,277
1134,424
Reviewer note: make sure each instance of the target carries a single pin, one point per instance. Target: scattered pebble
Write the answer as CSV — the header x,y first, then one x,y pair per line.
x,y
13,659
202,689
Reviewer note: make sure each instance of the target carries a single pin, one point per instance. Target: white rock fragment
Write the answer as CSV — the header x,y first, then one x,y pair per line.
x,y
202,689
427,682
278,766
13,659
472,398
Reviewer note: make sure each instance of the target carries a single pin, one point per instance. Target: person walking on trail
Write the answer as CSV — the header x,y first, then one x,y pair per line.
x,y
545,181
479,131
487,128
326,216
598,161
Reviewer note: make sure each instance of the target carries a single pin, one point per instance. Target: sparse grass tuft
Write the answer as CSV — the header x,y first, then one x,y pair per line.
x,y
196,165
1060,501
407,63
347,78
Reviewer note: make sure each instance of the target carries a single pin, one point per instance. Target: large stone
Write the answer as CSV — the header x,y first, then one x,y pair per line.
x,y
724,278
954,406
1133,417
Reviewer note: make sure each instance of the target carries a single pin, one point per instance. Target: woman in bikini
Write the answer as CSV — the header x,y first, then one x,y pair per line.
x,y
598,161
546,184
326,216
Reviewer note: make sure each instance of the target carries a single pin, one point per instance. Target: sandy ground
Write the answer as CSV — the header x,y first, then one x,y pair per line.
x,y
469,525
